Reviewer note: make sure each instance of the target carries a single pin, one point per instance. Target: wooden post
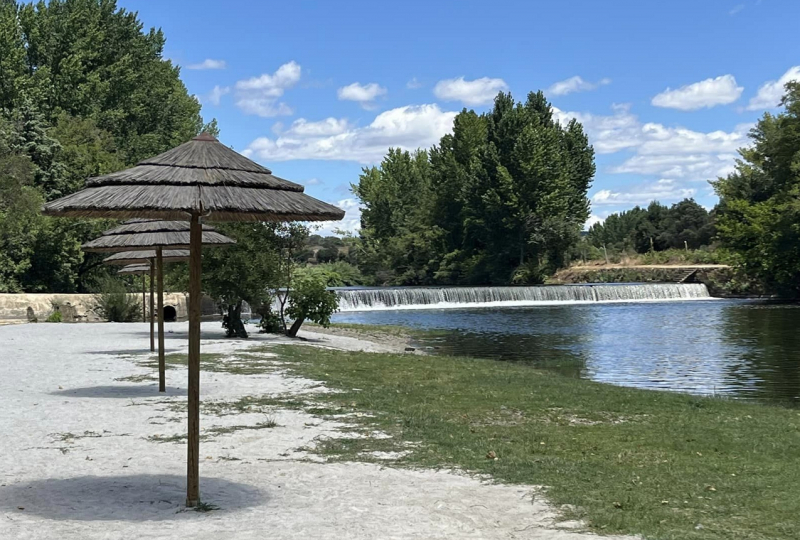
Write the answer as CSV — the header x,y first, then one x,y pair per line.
x,y
144,298
152,305
193,453
162,364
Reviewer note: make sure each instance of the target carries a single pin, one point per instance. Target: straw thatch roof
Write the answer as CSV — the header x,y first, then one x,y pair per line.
x,y
151,225
141,257
134,269
201,176
154,233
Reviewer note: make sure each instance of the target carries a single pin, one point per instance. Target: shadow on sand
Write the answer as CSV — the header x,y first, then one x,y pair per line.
x,y
131,351
118,391
142,497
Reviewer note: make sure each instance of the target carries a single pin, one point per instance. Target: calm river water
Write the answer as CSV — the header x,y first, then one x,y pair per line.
x,y
741,349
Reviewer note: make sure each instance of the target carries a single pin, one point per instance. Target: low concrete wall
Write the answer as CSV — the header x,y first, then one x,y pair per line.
x,y
15,307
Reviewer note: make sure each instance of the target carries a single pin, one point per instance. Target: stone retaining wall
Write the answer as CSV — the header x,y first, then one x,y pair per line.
x,y
78,307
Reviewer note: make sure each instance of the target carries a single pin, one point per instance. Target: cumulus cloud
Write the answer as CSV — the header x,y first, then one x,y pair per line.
x,y
350,223
593,220
708,93
216,94
672,152
407,128
664,190
208,63
330,126
575,84
365,95
260,95
770,93
477,92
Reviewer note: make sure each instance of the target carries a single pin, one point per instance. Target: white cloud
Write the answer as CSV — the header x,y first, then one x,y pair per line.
x,y
736,9
413,84
721,90
330,126
694,167
575,84
593,220
664,190
408,128
350,223
672,152
770,93
608,134
260,95
208,63
363,94
216,94
478,92
312,182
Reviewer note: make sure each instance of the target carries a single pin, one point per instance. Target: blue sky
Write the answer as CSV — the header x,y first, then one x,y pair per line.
x,y
316,90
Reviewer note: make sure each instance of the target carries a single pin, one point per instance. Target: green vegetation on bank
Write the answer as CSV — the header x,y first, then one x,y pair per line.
x,y
759,208
664,465
684,225
84,91
501,199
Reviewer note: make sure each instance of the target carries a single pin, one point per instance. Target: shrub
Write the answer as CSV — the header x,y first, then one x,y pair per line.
x,y
54,317
309,299
114,303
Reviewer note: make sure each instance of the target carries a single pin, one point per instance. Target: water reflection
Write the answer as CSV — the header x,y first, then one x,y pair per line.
x,y
735,348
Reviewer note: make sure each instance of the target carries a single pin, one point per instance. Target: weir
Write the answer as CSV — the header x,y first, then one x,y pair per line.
x,y
469,297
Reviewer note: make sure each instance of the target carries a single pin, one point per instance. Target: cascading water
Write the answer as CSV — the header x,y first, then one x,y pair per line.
x,y
461,297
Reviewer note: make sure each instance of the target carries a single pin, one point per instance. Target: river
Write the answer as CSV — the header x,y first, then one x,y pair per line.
x,y
675,339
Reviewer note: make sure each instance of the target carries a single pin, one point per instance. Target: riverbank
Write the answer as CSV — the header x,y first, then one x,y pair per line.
x,y
659,464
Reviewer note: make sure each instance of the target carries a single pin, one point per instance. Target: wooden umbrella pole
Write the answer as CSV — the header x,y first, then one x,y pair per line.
x,y
152,305
193,454
162,365
144,299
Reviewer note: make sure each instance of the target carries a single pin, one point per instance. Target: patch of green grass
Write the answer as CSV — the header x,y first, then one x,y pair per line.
x,y
659,464
205,507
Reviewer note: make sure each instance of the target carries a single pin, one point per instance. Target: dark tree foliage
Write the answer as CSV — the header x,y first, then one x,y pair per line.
x,y
84,91
501,199
655,228
759,210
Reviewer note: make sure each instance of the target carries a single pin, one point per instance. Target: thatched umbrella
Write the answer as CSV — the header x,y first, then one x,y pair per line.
x,y
151,237
143,270
200,179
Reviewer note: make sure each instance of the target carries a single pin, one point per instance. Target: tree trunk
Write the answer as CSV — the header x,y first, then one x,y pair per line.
x,y
292,332
235,325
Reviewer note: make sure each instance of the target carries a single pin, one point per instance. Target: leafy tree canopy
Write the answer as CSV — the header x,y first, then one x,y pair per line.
x,y
503,197
759,209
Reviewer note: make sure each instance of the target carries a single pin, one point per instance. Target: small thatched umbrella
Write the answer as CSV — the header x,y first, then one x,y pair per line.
x,y
151,237
200,179
143,270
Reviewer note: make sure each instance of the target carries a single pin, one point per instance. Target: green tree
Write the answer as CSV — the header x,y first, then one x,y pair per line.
x,y
84,91
758,217
310,300
503,197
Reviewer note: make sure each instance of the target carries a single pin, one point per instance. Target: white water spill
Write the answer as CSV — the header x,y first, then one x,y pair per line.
x,y
471,297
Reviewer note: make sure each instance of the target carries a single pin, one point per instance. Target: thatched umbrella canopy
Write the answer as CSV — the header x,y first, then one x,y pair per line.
x,y
150,235
146,237
143,257
134,270
200,179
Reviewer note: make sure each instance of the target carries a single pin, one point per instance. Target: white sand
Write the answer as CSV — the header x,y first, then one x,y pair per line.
x,y
75,462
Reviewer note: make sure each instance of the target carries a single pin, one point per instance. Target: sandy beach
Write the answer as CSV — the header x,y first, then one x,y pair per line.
x,y
84,454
